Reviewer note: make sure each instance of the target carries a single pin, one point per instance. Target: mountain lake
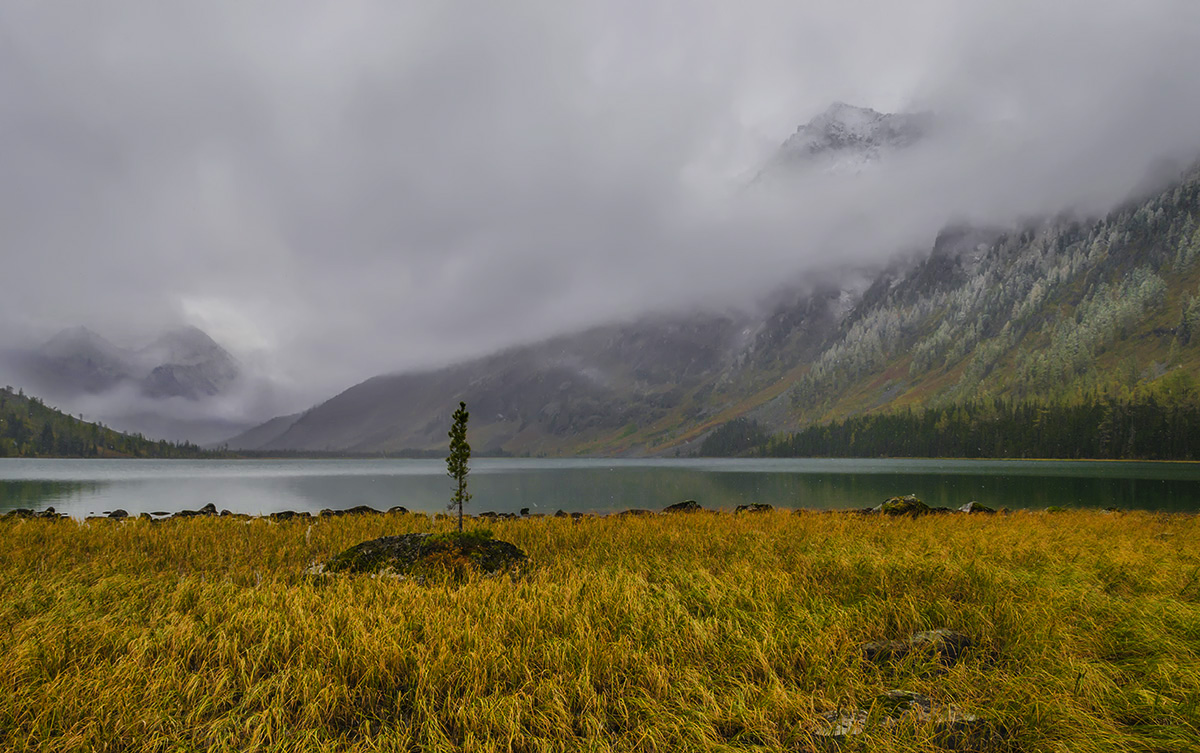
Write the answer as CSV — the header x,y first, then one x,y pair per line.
x,y
92,487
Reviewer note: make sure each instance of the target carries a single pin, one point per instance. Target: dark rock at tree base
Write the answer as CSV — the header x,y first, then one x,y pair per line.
x,y
948,726
755,507
427,554
944,645
975,507
688,505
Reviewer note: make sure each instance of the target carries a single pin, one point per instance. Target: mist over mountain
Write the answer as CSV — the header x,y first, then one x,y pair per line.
x,y
180,386
1056,311
334,193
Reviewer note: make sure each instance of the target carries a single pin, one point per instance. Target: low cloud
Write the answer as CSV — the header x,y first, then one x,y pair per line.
x,y
338,190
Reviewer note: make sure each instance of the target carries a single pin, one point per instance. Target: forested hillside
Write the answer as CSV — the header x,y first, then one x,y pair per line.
x,y
1053,313
1068,339
1071,321
30,428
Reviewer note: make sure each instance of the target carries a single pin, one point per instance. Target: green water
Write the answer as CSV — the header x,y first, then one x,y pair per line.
x,y
83,487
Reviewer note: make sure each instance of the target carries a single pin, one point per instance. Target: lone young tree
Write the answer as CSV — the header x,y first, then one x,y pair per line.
x,y
456,463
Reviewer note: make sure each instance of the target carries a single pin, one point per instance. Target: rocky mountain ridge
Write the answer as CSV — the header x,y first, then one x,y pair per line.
x,y
1043,310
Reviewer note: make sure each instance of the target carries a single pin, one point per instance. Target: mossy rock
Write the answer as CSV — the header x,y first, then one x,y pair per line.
x,y
908,505
423,554
755,507
947,646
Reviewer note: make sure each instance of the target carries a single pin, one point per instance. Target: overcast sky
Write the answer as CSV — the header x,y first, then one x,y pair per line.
x,y
338,189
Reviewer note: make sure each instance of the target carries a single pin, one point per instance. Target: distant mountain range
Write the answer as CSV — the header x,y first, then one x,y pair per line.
x,y
183,362
1046,311
161,390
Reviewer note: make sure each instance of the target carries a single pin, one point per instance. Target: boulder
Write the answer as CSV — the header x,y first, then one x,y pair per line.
x,y
47,514
688,505
560,513
289,515
209,509
908,505
948,726
423,554
397,510
357,510
118,514
946,646
755,507
524,512
975,507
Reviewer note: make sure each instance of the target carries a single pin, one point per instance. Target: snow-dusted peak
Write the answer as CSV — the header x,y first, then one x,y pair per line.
x,y
845,137
184,346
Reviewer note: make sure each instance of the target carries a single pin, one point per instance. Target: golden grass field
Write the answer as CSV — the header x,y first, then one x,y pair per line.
x,y
672,633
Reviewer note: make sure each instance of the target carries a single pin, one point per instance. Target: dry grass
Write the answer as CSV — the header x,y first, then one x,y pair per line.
x,y
676,633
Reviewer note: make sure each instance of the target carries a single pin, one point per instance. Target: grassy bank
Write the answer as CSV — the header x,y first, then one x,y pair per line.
x,y
691,632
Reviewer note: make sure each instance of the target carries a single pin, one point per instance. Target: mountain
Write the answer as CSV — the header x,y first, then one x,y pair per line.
x,y
180,363
30,428
1062,312
187,363
538,398
78,360
165,389
846,139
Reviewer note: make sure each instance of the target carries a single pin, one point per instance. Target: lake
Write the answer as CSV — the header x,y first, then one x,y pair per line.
x,y
85,487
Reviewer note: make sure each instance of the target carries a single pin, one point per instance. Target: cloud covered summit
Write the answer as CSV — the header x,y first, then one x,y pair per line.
x,y
338,190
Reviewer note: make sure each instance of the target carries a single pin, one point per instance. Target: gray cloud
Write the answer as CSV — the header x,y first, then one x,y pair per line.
x,y
340,189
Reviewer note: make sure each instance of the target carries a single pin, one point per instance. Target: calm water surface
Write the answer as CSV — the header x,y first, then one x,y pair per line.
x,y
83,487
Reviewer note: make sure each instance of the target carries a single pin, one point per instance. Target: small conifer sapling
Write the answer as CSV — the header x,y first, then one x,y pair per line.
x,y
456,462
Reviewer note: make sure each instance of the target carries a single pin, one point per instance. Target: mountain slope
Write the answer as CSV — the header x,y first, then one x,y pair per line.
x,y
538,398
1053,311
30,428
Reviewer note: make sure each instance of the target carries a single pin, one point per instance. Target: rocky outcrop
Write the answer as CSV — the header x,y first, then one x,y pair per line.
x,y
289,515
358,510
755,507
908,506
975,507
946,646
26,513
949,727
688,505
209,509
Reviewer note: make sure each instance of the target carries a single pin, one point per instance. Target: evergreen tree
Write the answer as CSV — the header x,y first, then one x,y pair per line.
x,y
456,462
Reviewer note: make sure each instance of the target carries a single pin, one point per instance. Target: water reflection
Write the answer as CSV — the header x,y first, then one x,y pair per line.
x,y
92,487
